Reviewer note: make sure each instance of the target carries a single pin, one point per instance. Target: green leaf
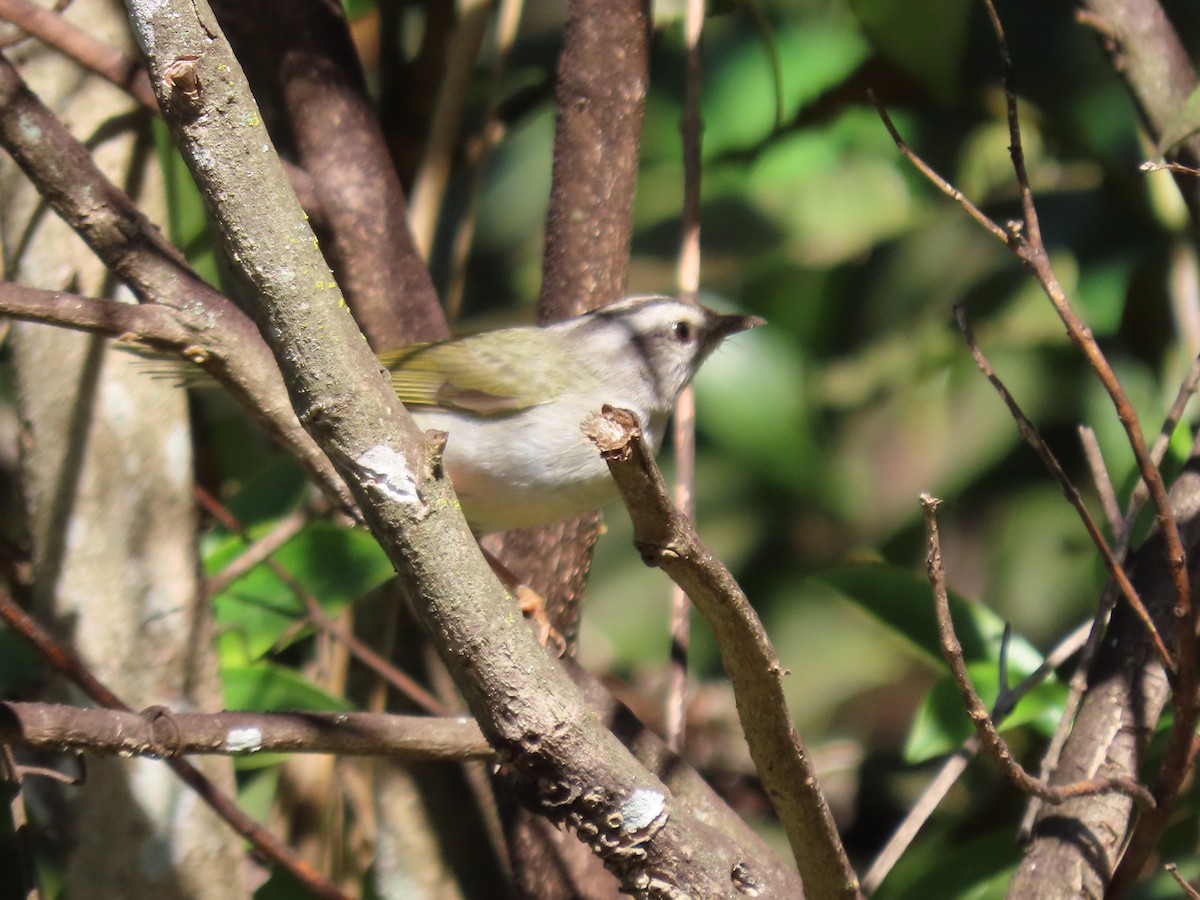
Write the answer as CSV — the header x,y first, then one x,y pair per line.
x,y
904,602
336,565
926,37
941,723
740,104
265,687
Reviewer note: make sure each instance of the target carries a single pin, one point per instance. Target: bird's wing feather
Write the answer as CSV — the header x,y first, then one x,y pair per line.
x,y
487,378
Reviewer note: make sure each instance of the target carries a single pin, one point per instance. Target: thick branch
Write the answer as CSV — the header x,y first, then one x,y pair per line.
x,y
570,768
308,79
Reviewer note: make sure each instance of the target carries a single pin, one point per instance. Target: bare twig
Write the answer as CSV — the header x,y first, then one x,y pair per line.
x,y
1104,485
1187,390
956,763
666,539
72,667
995,746
259,552
159,732
26,867
684,434
1029,431
919,814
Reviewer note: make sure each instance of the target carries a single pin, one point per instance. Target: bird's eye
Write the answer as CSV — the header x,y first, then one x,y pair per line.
x,y
681,331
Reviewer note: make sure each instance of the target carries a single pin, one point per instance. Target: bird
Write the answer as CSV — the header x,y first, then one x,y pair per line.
x,y
513,401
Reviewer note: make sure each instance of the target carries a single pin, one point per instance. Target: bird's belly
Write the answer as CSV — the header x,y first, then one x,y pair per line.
x,y
523,470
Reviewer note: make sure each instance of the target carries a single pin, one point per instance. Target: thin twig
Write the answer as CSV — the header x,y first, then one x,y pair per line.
x,y
1187,389
1104,486
684,435
956,763
919,813
258,550
932,176
261,550
1030,433
66,663
23,844
995,746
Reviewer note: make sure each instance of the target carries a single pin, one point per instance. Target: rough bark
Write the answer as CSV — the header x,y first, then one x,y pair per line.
x,y
106,478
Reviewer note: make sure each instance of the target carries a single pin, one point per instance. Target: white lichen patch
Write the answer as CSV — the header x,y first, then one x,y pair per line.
x,y
243,740
640,809
388,470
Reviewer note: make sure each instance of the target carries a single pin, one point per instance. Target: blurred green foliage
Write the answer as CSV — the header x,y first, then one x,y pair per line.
x,y
818,433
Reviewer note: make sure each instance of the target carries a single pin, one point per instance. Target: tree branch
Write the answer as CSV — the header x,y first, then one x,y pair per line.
x,y
569,768
666,539
220,336
159,732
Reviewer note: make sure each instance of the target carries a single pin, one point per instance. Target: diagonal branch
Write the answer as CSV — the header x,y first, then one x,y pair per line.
x,y
220,337
567,766
985,727
668,540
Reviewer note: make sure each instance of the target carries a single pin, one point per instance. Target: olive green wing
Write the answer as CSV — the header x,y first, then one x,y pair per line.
x,y
494,374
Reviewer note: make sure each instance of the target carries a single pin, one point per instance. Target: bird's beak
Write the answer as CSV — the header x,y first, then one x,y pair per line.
x,y
722,326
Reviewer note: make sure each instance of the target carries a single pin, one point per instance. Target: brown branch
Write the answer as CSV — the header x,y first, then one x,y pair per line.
x,y
564,764
309,82
66,663
684,428
162,733
144,322
49,27
220,336
995,746
1103,484
666,539
1030,433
